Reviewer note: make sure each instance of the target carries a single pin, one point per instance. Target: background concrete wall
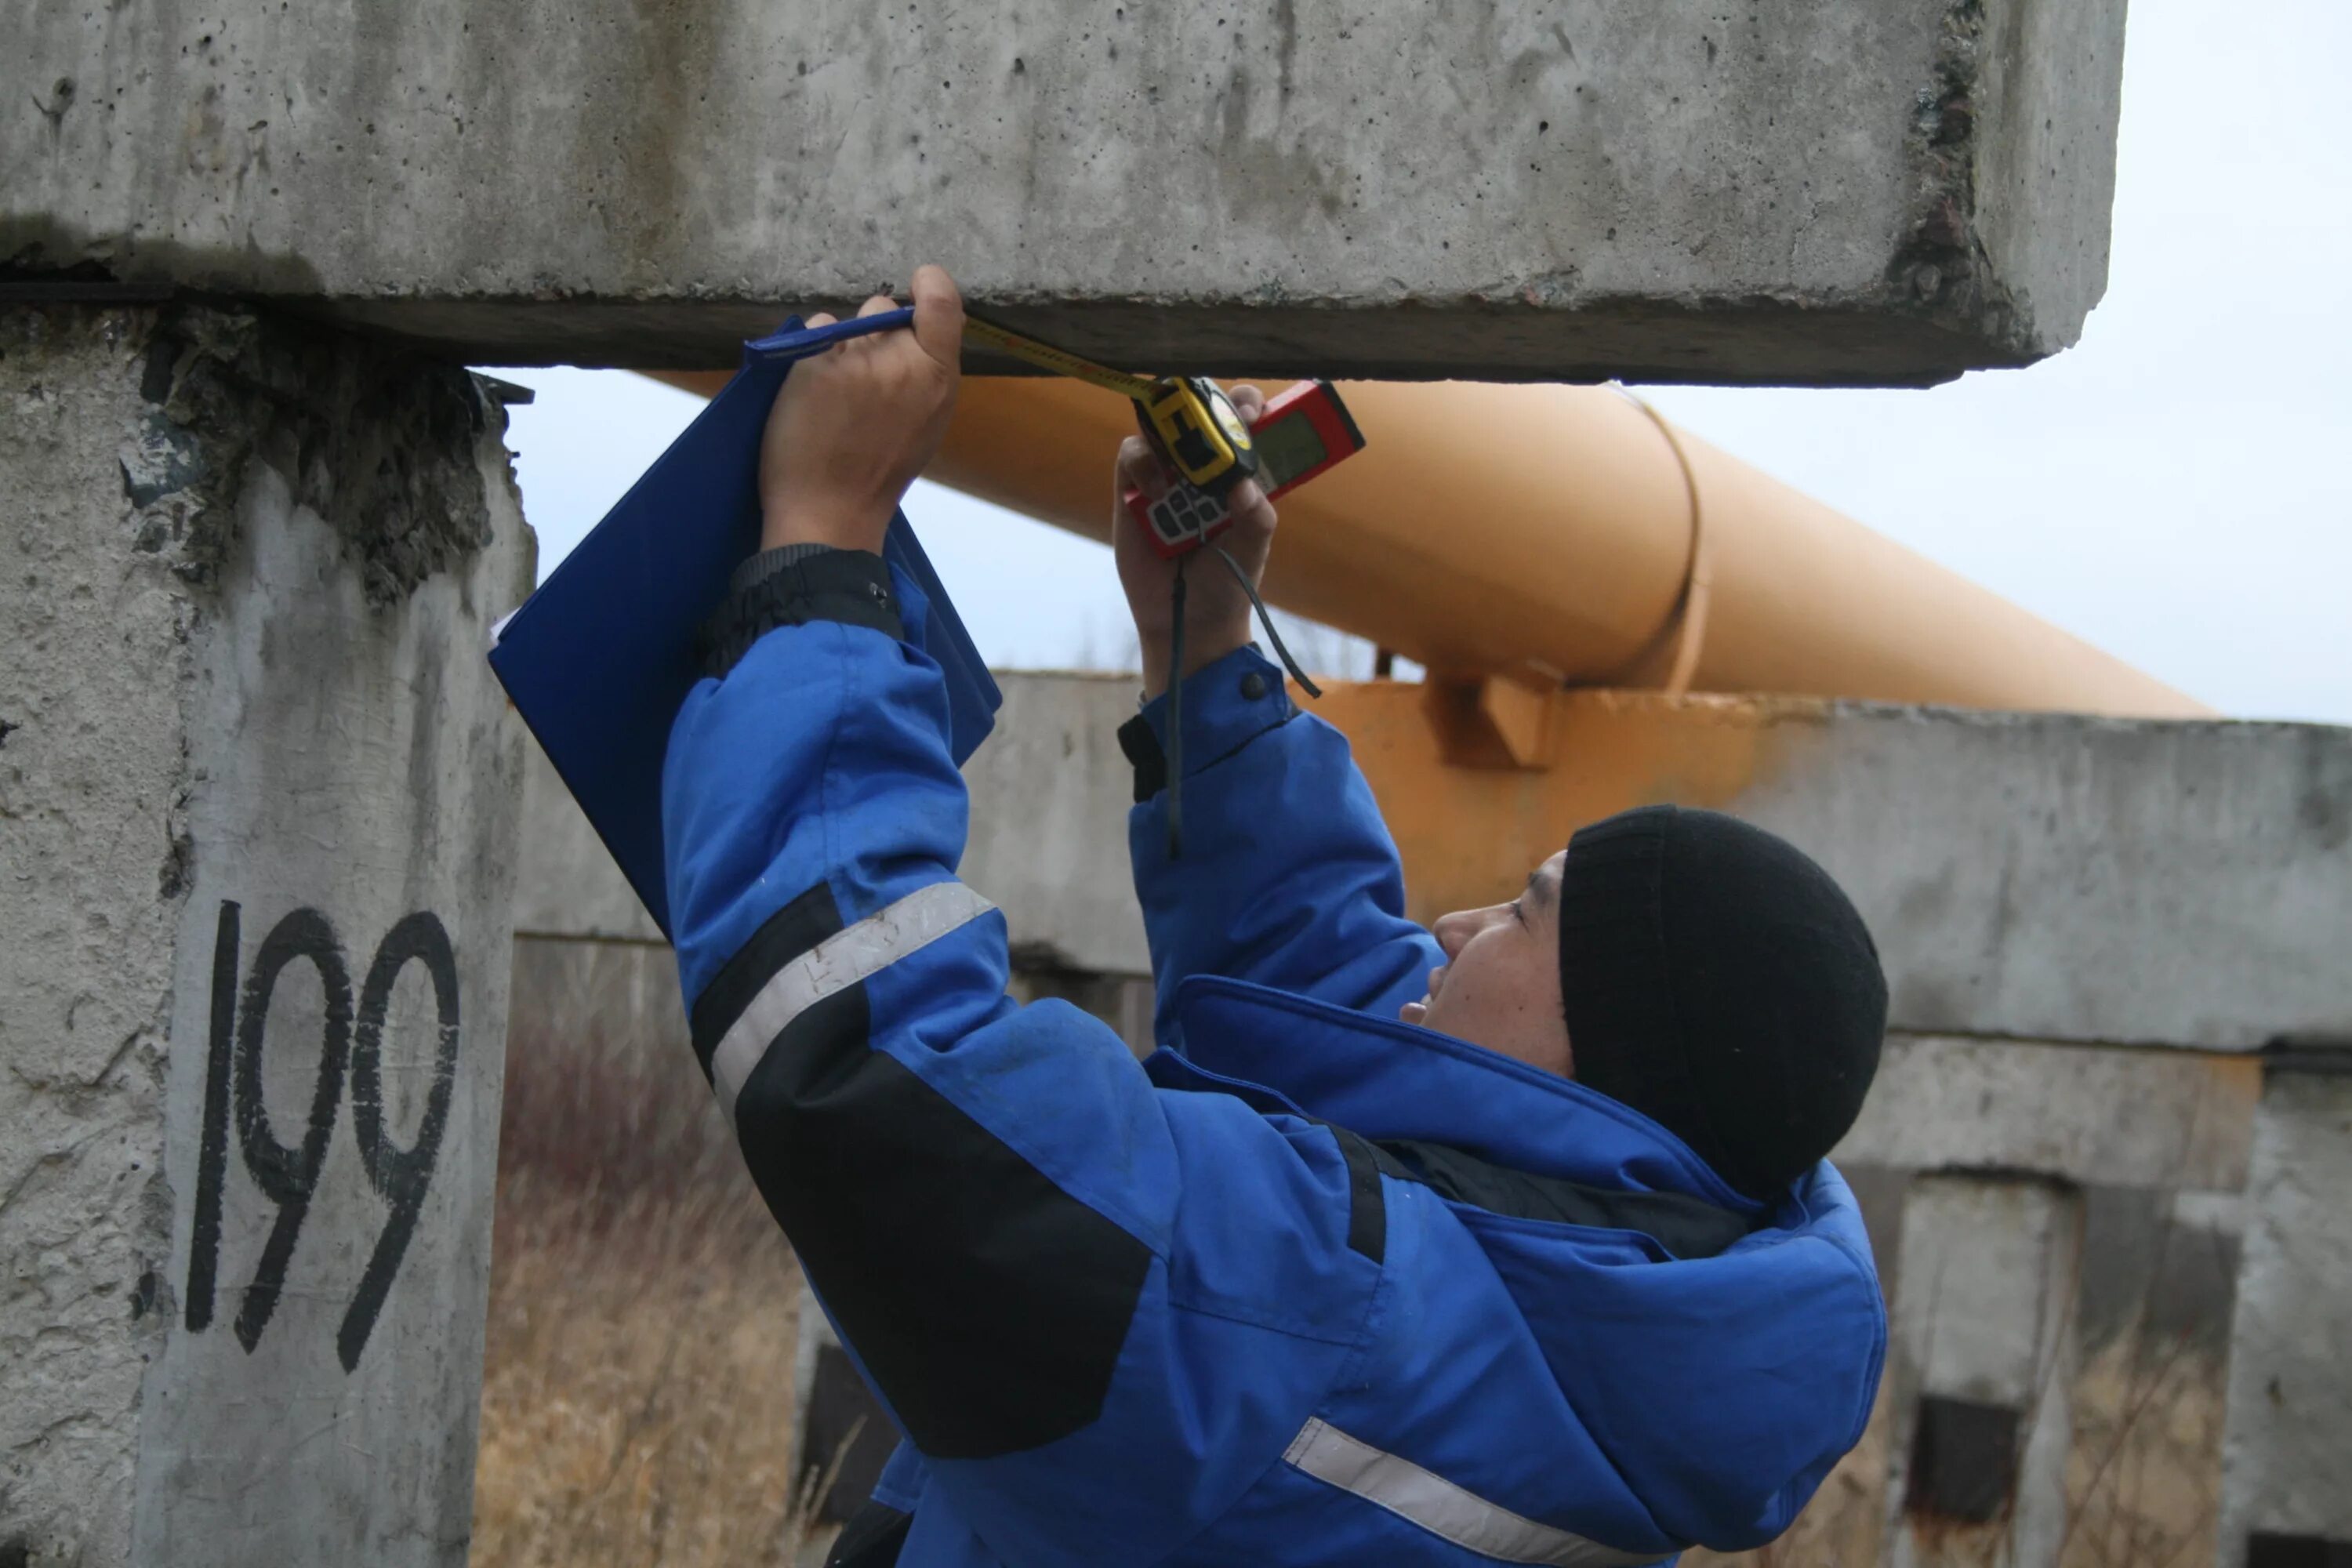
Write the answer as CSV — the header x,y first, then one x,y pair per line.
x,y
2035,875
1851,194
2289,1457
261,793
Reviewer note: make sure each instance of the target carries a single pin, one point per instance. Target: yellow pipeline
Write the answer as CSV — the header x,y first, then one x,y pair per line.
x,y
1566,534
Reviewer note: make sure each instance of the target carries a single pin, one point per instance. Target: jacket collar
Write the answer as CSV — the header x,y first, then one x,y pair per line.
x,y
1386,1078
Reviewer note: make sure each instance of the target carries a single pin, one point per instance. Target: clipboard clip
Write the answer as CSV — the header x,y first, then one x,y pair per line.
x,y
793,340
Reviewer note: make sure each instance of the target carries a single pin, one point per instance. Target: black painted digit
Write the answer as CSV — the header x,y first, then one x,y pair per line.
x,y
212,1141
400,1175
287,1175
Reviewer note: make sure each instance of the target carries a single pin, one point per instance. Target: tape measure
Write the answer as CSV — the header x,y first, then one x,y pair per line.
x,y
1189,420
1203,438
1198,433
1303,430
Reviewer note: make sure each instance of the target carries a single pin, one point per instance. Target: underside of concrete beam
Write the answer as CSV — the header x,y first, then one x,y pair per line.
x,y
1845,194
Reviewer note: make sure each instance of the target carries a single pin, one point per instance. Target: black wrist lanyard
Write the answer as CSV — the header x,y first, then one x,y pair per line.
x,y
1176,684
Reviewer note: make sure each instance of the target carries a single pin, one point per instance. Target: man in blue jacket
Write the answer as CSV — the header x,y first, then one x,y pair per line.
x,y
1507,1242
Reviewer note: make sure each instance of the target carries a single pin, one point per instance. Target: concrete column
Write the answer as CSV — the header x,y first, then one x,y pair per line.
x,y
2286,1459
1979,1368
258,802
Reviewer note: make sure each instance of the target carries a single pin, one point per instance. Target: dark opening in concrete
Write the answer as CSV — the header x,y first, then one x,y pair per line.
x,y
2265,1550
1963,1460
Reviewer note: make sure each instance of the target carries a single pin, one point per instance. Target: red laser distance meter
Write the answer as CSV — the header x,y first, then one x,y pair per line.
x,y
1303,430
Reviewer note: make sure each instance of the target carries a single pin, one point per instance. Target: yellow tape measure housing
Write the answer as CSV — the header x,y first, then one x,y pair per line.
x,y
1199,433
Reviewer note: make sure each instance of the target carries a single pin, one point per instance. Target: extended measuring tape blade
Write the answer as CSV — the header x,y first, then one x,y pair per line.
x,y
1061,361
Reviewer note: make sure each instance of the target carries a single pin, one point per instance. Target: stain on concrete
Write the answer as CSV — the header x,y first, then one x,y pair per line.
x,y
1940,270
37,248
2148,1271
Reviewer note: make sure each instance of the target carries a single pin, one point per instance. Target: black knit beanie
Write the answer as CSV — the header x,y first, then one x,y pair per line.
x,y
1717,981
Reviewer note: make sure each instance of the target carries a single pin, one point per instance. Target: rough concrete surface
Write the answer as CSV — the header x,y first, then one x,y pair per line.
x,y
569,885
2028,1105
2056,878
1883,192
259,813
2288,1455
94,858
1067,894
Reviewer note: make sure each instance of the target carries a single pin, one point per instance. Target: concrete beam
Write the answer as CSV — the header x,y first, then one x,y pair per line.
x,y
1853,194
1960,1103
2034,875
259,791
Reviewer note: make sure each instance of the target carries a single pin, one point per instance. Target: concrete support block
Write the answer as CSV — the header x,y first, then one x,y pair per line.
x,y
1863,193
1050,796
258,793
2287,1457
1979,1370
1942,1101
2034,875
2028,875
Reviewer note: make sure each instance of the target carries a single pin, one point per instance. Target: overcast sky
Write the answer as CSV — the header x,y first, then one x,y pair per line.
x,y
2177,487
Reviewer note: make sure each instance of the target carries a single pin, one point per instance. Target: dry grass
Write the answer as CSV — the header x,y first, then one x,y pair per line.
x,y
637,1394
637,1403
2143,1478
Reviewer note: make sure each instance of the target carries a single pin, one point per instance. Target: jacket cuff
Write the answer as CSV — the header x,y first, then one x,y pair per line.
x,y
1227,705
791,586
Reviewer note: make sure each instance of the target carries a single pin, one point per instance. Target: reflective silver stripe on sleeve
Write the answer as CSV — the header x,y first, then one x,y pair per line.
x,y
1438,1506
842,960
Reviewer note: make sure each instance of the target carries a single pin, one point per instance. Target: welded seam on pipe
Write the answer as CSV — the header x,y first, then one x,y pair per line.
x,y
1698,579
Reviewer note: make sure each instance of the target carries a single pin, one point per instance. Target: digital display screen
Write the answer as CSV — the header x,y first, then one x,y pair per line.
x,y
1287,448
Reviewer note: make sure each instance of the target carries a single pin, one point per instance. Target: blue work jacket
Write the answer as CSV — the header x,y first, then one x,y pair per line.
x,y
1310,1285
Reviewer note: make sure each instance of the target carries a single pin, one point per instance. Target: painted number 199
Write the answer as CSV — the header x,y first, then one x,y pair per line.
x,y
350,1044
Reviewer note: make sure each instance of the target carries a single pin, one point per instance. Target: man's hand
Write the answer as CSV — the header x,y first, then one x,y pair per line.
x,y
855,425
1217,612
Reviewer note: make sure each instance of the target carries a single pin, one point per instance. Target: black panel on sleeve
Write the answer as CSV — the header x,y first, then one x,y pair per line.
x,y
988,1305
852,586
1368,1208
786,934
1143,753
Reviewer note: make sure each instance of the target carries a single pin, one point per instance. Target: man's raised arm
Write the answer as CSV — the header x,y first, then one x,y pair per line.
x,y
1286,875
1056,1277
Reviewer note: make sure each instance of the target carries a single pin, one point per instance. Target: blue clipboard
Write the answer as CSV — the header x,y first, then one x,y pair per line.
x,y
600,660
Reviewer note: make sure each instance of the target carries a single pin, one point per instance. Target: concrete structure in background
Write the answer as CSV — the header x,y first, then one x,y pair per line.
x,y
257,798
1858,194
2289,1457
2107,1203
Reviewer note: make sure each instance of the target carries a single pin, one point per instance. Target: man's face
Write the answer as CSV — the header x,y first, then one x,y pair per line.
x,y
1499,987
